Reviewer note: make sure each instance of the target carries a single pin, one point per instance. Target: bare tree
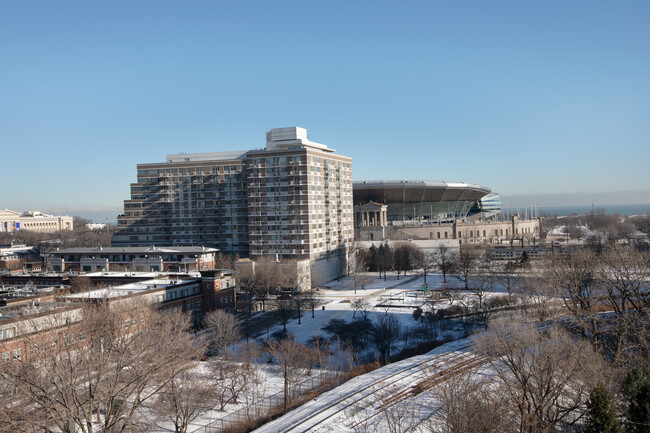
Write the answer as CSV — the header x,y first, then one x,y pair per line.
x,y
466,266
465,400
300,302
623,276
313,299
283,308
489,270
231,380
509,277
225,261
542,302
224,329
249,283
479,284
357,266
362,305
322,348
255,390
269,280
184,398
446,261
427,263
386,331
384,304
574,277
95,373
546,376
295,361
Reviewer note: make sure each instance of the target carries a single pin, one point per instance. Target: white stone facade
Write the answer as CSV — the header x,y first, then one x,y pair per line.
x,y
33,221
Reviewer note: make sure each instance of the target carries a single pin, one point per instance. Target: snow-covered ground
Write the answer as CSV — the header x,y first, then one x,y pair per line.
x,y
364,399
403,296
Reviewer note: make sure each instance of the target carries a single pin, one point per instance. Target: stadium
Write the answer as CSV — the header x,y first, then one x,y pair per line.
x,y
436,211
422,202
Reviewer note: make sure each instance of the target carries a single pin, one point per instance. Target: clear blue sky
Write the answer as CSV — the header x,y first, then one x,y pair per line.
x,y
523,97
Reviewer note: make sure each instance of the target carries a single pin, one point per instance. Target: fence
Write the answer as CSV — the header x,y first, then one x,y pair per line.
x,y
261,408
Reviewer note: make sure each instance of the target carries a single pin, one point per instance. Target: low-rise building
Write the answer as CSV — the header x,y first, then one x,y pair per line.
x,y
147,259
44,313
19,257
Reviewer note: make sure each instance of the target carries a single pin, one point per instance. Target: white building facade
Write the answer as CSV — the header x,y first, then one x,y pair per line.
x,y
34,221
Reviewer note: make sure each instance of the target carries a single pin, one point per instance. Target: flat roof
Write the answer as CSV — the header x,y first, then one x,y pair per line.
x,y
207,156
130,288
137,250
124,274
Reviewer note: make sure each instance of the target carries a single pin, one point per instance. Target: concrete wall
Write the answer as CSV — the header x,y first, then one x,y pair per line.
x,y
477,232
328,268
300,268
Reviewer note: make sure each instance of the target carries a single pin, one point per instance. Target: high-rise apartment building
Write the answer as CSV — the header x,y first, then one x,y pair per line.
x,y
291,200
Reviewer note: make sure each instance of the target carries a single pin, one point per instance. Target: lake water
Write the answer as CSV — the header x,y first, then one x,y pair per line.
x,y
621,209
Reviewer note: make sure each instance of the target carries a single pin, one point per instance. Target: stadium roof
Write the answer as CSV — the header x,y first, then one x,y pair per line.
x,y
416,191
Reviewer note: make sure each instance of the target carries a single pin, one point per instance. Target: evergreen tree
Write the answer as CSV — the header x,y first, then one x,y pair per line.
x,y
384,258
601,413
372,258
636,390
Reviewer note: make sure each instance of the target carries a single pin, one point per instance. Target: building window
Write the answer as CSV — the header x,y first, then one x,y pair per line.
x,y
6,333
17,354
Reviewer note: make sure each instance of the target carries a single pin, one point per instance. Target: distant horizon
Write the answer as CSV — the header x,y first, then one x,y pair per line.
x,y
109,214
100,214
